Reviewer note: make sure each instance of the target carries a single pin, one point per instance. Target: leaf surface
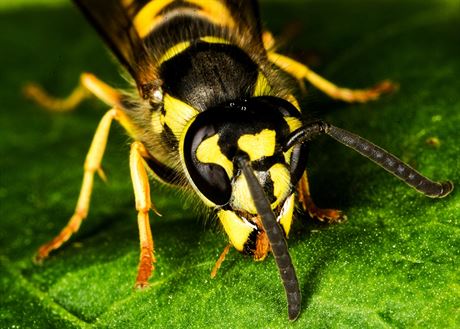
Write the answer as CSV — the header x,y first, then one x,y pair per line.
x,y
393,264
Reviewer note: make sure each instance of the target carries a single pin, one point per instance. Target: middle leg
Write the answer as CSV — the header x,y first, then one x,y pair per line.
x,y
302,72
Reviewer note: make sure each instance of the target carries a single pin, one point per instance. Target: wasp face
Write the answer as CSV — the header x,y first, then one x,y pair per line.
x,y
259,128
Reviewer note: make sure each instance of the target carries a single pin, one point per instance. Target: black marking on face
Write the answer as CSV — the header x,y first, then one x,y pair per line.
x,y
250,245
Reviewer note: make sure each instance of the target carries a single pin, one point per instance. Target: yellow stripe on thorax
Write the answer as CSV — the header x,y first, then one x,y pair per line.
x,y
182,46
177,114
209,152
212,39
262,86
258,145
174,50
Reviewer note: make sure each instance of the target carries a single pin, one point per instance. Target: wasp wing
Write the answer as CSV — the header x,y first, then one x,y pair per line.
x,y
247,12
114,22
247,16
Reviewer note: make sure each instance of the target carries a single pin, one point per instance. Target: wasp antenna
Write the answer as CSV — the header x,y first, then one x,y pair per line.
x,y
306,133
383,158
275,236
391,163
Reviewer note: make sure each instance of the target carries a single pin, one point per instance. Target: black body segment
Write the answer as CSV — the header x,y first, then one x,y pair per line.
x,y
209,74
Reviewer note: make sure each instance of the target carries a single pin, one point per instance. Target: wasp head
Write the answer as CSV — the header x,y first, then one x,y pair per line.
x,y
257,128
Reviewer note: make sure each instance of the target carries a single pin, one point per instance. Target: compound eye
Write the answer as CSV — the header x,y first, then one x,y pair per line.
x,y
207,167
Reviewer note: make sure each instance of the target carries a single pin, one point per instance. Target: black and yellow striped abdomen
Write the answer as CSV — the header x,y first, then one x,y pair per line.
x,y
165,24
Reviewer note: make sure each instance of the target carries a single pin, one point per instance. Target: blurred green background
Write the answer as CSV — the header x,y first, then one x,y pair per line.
x,y
394,264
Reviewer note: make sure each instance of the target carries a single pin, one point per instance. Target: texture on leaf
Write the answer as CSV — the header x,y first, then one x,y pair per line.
x,y
393,264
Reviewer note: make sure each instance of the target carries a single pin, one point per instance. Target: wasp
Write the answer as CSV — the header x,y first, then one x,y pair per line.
x,y
211,114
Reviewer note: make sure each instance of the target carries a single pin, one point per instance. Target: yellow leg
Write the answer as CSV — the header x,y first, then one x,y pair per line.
x,y
268,40
301,72
89,84
92,165
220,260
289,32
329,215
143,205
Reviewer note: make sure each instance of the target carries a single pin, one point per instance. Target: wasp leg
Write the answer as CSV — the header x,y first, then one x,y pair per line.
x,y
89,85
143,205
220,260
330,216
268,41
91,166
301,72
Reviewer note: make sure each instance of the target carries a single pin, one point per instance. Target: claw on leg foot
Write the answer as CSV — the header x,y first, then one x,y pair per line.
x,y
330,216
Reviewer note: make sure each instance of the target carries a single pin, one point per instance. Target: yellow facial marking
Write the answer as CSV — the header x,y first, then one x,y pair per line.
x,y
209,152
237,230
175,50
291,99
258,145
177,115
281,182
241,196
215,11
287,155
145,21
262,87
294,124
286,214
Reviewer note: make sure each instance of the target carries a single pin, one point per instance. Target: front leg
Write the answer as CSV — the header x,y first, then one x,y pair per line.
x,y
330,216
141,188
92,166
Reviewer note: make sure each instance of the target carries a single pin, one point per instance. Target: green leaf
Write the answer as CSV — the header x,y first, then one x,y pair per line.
x,y
393,264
